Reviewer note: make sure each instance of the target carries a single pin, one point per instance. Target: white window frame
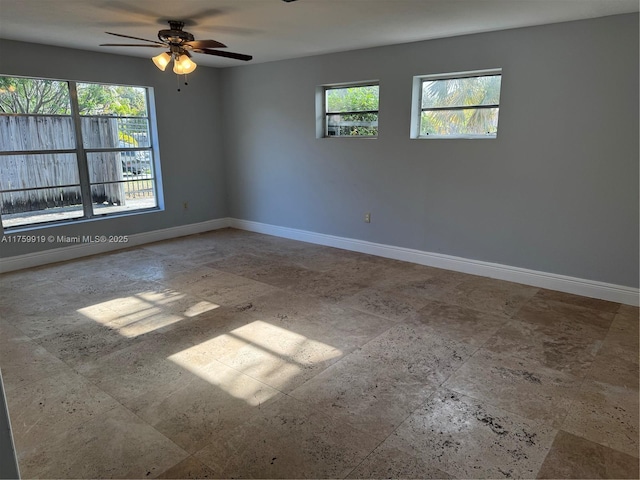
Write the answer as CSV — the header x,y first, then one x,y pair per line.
x,y
416,104
321,108
81,154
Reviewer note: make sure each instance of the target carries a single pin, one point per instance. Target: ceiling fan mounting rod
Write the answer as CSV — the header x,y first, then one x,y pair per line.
x,y
176,24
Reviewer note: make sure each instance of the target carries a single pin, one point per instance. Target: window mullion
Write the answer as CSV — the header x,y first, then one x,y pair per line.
x,y
81,155
352,112
465,107
421,94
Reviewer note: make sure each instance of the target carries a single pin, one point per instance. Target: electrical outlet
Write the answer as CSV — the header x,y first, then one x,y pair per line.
x,y
367,217
185,205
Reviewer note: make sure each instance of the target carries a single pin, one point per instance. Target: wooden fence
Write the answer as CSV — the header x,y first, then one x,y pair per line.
x,y
20,133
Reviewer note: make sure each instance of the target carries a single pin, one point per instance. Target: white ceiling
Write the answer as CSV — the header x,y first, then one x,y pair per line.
x,y
273,30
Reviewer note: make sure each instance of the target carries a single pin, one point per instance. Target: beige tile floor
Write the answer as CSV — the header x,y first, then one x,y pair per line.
x,y
237,355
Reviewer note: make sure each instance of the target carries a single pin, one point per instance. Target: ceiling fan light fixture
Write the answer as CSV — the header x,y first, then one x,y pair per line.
x,y
186,64
180,44
161,61
177,67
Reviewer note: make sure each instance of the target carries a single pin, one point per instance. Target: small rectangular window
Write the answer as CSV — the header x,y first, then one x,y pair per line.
x,y
462,105
351,110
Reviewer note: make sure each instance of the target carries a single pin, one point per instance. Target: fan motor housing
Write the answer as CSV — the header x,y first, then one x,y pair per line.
x,y
175,35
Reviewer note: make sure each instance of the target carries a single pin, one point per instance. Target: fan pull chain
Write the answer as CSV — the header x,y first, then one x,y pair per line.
x,y
178,81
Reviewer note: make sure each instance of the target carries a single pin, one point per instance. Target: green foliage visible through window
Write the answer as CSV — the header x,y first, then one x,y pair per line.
x,y
46,176
466,106
118,100
352,111
51,97
28,95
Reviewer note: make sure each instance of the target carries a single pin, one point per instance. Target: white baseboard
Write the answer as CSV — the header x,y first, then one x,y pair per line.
x,y
79,250
551,281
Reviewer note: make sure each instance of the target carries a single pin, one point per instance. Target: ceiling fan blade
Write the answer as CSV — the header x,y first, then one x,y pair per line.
x,y
236,56
136,38
205,44
131,45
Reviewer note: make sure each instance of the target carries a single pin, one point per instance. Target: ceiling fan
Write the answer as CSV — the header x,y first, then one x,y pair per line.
x,y
179,44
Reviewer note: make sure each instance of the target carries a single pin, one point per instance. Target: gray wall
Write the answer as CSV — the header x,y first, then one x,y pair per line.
x,y
189,130
556,192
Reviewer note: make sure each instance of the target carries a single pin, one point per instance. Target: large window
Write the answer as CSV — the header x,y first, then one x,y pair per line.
x,y
462,105
351,111
71,150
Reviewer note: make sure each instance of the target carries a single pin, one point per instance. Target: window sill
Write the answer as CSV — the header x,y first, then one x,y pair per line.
x,y
363,137
456,137
66,223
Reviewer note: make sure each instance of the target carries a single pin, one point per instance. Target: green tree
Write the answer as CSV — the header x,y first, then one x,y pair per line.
x,y
344,105
25,95
118,100
460,92
51,97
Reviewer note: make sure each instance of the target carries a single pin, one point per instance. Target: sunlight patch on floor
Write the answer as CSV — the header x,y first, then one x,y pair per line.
x,y
145,312
268,353
271,340
230,381
199,308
